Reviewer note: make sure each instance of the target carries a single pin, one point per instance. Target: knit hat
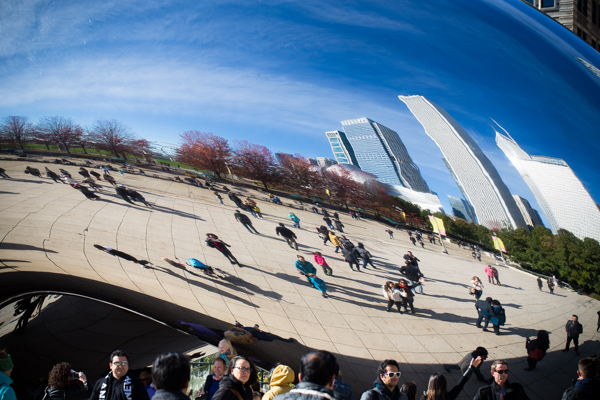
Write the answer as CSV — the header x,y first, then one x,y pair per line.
x,y
6,363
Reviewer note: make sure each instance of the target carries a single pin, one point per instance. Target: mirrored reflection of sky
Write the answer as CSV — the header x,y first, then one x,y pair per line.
x,y
282,73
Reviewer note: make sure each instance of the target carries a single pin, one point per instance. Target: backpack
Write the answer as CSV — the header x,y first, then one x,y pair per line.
x,y
536,354
210,243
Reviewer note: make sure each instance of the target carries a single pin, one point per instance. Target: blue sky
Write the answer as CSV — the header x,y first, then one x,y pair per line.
x,y
282,73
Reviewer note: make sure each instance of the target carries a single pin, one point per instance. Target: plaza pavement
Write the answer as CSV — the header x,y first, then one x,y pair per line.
x,y
48,230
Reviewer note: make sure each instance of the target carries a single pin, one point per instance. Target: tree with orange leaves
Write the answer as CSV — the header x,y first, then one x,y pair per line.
x,y
204,150
256,162
301,176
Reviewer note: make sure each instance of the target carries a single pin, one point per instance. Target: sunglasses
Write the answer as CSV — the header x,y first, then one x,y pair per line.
x,y
244,369
118,363
502,371
393,374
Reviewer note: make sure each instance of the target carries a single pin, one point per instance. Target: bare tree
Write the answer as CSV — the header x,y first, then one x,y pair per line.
x,y
204,150
62,130
113,136
17,131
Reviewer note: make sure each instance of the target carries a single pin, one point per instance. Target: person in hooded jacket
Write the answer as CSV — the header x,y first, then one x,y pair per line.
x,y
365,255
335,241
386,383
237,381
281,378
351,256
587,385
62,384
536,349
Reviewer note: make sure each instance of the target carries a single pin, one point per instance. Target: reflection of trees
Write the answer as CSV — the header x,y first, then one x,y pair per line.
x,y
27,307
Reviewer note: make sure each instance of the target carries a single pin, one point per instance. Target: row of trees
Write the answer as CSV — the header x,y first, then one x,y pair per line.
x,y
109,135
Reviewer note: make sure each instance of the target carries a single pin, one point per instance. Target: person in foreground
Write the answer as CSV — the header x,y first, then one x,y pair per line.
x,y
238,380
117,384
587,385
317,372
6,368
171,376
386,383
437,389
501,388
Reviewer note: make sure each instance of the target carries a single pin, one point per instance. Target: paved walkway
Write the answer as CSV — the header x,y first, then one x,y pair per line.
x,y
48,231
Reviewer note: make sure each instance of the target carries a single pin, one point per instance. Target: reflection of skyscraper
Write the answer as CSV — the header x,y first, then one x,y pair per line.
x,y
378,150
478,179
461,209
530,215
560,194
341,148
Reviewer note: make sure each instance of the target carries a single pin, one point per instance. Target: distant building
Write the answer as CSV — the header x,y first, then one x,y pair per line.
x,y
475,175
281,157
163,149
378,150
312,161
530,215
324,162
461,209
558,191
342,151
582,17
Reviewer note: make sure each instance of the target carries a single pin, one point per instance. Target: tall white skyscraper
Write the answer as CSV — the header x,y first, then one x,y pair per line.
x,y
560,194
530,215
478,179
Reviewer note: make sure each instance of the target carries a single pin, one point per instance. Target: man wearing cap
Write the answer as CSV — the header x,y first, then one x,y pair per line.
x,y
386,383
6,367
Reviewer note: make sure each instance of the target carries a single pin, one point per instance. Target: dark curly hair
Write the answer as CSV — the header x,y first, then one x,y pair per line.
x,y
59,375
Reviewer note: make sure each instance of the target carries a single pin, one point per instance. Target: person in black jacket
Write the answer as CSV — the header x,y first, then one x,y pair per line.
x,y
437,389
536,349
587,385
244,220
237,382
288,235
122,191
171,375
574,329
351,256
63,384
117,384
512,391
413,275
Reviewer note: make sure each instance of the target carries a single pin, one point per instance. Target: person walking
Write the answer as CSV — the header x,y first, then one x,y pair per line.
x,y
218,197
550,283
110,179
136,196
536,349
365,255
574,329
476,287
238,202
323,234
490,274
484,311
495,276
86,192
53,175
244,220
338,225
390,232
295,220
96,175
288,235
351,256
256,210
498,316
83,172
335,241
328,222
319,259
121,254
213,241
4,174
310,272
122,191
540,283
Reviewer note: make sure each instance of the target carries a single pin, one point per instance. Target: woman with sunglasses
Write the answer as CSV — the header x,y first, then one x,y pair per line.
x,y
437,389
237,381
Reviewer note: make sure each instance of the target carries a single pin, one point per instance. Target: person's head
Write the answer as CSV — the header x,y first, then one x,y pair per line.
x,y
301,258
119,363
146,377
242,369
237,211
171,371
389,285
437,389
480,352
59,375
410,254
6,364
359,244
317,253
226,348
389,373
409,388
212,236
396,286
575,318
500,372
587,368
408,263
476,279
402,283
318,367
219,367
488,299
543,338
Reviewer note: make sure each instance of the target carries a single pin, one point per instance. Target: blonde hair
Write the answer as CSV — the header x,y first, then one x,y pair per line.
x,y
228,344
